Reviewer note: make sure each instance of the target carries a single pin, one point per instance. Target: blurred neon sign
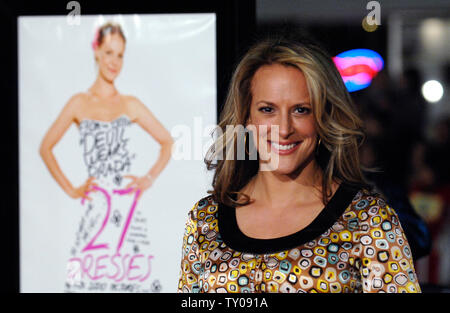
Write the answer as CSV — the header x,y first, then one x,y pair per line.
x,y
358,67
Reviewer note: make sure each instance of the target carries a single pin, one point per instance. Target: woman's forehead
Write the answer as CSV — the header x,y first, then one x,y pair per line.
x,y
113,40
279,82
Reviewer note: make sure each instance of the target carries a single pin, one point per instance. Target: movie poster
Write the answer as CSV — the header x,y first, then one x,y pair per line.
x,y
108,175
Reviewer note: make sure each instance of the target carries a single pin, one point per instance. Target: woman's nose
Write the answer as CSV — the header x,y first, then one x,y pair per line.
x,y
285,125
115,61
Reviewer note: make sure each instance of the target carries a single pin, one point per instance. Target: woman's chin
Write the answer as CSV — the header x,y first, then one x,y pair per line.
x,y
109,77
284,170
279,168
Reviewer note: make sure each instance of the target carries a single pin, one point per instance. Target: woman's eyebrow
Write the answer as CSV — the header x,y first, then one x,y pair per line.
x,y
273,104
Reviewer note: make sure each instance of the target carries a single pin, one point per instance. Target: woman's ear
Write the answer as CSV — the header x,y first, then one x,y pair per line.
x,y
96,53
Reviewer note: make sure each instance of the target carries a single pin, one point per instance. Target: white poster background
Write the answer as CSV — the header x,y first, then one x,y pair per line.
x,y
170,65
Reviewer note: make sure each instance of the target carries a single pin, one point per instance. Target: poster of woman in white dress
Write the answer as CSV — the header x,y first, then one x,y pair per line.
x,y
107,190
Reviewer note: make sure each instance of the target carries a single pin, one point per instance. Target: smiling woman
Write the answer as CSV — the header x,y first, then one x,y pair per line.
x,y
303,80
109,47
298,227
280,97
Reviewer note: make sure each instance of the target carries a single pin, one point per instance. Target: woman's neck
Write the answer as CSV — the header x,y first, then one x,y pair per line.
x,y
103,88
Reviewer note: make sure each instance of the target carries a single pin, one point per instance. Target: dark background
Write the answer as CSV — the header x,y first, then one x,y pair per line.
x,y
407,137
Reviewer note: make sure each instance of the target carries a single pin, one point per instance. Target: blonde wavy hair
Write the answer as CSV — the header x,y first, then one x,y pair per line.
x,y
338,124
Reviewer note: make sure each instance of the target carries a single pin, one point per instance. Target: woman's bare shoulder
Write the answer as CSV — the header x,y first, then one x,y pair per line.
x,y
80,101
134,106
133,103
79,97
76,103
130,99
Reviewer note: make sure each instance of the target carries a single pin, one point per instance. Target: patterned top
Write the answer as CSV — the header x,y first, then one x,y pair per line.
x,y
356,244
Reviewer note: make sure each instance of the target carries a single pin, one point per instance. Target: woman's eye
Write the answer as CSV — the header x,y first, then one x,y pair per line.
x,y
302,110
266,110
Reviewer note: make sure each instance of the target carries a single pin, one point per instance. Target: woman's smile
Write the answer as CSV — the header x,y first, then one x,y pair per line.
x,y
284,148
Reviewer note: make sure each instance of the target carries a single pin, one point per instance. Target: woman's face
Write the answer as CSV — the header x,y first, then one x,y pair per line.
x,y
109,56
281,102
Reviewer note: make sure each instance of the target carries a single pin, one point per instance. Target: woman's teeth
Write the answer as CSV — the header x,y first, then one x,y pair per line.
x,y
284,147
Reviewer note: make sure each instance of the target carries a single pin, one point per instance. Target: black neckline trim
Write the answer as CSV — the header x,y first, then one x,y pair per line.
x,y
237,240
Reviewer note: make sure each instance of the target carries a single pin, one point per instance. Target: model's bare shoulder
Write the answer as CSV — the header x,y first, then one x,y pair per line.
x,y
76,104
78,98
130,100
133,105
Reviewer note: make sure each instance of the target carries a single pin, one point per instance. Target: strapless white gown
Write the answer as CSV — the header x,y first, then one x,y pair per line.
x,y
107,255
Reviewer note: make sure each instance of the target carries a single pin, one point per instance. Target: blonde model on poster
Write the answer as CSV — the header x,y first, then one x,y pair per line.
x,y
103,116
